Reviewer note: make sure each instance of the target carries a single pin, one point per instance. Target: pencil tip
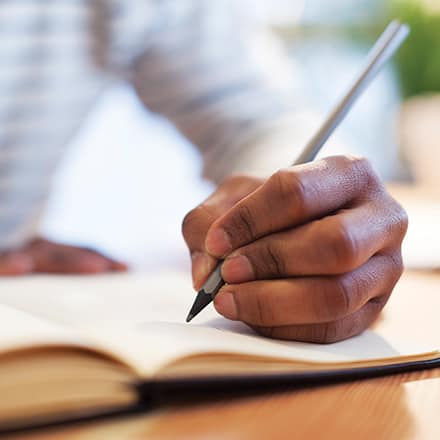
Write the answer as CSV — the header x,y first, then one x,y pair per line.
x,y
201,301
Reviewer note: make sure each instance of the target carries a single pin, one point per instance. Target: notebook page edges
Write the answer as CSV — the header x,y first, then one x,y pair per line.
x,y
23,330
24,336
151,346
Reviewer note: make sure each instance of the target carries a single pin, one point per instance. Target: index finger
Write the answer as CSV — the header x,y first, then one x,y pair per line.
x,y
291,197
198,221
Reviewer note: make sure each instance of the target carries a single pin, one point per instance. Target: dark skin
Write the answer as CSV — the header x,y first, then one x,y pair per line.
x,y
44,256
311,253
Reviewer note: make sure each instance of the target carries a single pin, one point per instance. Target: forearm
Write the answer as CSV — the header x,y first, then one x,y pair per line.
x,y
230,90
262,151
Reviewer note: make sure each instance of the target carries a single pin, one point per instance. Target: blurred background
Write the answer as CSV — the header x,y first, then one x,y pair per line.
x,y
396,124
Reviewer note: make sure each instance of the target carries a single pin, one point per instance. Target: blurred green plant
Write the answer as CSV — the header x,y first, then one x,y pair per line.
x,y
418,61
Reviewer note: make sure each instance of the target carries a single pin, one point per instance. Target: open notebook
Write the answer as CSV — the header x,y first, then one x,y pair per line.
x,y
71,346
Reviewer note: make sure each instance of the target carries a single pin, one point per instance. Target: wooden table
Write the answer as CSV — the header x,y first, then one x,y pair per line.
x,y
405,406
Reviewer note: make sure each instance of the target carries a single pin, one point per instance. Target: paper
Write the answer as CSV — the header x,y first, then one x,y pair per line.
x,y
91,300
20,329
141,318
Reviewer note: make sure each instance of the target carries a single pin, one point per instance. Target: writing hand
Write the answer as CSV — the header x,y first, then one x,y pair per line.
x,y
310,254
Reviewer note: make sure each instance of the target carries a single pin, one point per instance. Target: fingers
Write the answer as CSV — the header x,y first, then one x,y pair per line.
x,y
311,254
292,197
15,263
198,221
49,257
309,300
328,332
333,245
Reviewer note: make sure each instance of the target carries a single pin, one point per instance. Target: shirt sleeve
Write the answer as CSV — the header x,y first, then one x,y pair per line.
x,y
224,81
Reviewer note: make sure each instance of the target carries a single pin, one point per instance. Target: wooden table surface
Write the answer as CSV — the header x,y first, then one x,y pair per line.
x,y
405,406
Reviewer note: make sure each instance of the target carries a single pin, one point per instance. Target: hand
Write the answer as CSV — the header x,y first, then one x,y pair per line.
x,y
310,254
43,256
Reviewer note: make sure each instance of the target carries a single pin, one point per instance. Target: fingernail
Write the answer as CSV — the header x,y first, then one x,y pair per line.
x,y
218,243
224,303
237,269
202,265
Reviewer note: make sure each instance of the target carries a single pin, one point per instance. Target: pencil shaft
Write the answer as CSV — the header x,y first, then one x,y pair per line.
x,y
385,47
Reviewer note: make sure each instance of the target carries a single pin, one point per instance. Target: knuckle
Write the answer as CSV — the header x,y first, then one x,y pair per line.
x,y
363,172
394,221
343,246
262,313
398,219
375,306
338,303
372,181
396,265
242,225
192,221
403,221
359,163
188,221
289,187
271,261
264,310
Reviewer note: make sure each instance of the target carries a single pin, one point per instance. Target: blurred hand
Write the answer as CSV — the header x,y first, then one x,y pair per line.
x,y
43,256
310,254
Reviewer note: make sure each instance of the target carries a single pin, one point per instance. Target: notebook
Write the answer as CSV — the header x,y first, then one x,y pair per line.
x,y
72,346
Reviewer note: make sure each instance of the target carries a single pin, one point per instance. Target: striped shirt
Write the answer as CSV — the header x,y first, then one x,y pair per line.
x,y
205,65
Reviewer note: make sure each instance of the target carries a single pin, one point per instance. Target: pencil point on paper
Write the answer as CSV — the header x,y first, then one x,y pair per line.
x,y
201,301
207,293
